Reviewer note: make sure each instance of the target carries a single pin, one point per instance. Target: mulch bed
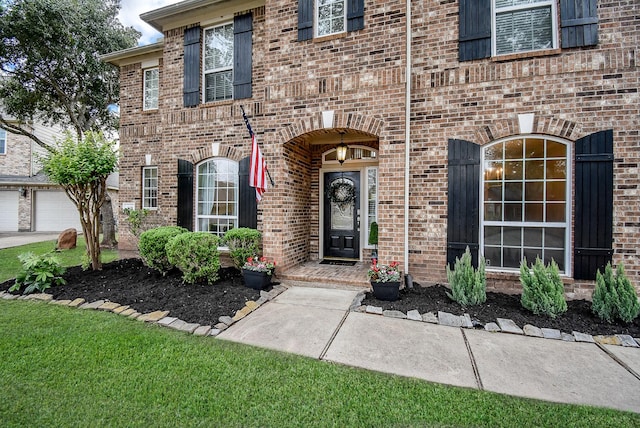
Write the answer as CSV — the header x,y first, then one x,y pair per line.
x,y
129,282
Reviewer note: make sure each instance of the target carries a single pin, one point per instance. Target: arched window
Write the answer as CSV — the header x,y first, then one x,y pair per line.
x,y
524,198
217,196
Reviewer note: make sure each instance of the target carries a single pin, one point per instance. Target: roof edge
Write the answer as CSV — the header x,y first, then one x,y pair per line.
x,y
119,57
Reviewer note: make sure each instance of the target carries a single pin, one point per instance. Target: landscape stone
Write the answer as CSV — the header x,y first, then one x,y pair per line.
x,y
203,330
414,315
492,327
166,321
109,306
134,315
252,305
154,316
238,316
128,312
44,297
627,340
568,337
120,309
508,326
394,314
362,309
60,302
467,321
583,337
67,239
445,318
377,310
262,300
189,327
92,305
532,330
607,340
177,324
214,332
430,317
77,302
9,296
264,294
226,320
221,326
551,333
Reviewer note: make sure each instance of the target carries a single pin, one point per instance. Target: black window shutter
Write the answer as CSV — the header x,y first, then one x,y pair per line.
x,y
305,20
242,55
594,204
474,29
579,23
191,90
463,220
355,15
247,204
185,194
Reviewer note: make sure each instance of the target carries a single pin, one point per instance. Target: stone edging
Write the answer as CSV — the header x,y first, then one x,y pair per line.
x,y
160,318
501,325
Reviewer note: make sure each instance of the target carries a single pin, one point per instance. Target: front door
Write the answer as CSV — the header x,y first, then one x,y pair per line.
x,y
342,214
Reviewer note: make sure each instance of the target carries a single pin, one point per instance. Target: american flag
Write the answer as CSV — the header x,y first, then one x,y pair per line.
x,y
258,166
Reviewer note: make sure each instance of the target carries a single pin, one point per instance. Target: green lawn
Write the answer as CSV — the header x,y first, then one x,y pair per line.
x,y
70,367
10,265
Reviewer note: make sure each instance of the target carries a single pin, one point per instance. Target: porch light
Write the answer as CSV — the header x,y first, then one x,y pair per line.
x,y
341,150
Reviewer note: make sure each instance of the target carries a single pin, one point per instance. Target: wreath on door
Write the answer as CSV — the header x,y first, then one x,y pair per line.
x,y
341,192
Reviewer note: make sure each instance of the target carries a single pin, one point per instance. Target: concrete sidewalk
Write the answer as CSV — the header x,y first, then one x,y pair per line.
x,y
317,323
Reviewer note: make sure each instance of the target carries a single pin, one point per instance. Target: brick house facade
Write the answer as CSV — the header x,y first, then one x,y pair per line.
x,y
513,151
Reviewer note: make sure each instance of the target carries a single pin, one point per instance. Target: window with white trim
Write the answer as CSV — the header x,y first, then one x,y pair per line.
x,y
217,196
525,212
524,25
372,198
151,88
3,142
331,17
150,187
218,63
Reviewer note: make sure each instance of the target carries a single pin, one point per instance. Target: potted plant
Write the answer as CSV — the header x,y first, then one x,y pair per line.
x,y
257,272
385,280
373,240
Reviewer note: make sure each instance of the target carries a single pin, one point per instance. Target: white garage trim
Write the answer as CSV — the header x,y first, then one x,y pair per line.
x,y
9,210
54,212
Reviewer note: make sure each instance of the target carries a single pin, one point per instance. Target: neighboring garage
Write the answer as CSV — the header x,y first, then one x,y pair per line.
x,y
9,216
54,212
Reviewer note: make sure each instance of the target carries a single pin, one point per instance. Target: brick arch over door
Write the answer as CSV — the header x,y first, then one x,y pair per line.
x,y
354,121
543,125
224,151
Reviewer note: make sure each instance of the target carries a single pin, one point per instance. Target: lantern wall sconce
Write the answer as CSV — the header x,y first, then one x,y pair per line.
x,y
22,191
341,150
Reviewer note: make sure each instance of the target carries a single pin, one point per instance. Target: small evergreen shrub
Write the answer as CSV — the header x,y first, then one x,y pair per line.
x,y
243,243
614,297
468,285
38,273
373,234
152,246
542,289
196,255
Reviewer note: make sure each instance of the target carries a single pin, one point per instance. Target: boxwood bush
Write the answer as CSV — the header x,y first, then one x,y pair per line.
x,y
152,246
614,296
542,289
196,255
243,243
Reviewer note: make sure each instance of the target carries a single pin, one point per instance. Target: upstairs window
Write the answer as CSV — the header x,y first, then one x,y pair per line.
x,y
524,25
3,142
150,187
151,88
218,63
331,17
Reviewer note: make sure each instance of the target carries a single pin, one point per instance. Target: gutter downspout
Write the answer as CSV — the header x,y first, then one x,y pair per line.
x,y
407,133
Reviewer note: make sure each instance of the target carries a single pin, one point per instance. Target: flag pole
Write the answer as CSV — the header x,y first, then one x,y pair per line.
x,y
244,116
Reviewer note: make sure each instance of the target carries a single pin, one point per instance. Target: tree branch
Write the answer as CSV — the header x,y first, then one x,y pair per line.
x,y
15,128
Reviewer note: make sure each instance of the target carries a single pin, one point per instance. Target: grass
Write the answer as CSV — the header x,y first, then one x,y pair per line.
x,y
69,367
10,265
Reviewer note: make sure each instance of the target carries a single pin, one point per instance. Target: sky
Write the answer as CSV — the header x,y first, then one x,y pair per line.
x,y
130,16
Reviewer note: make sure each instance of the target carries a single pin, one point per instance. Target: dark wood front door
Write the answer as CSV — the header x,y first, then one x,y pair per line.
x,y
342,219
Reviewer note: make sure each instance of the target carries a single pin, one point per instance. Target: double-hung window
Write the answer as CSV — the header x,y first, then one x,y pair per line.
x,y
151,88
331,17
217,196
218,63
523,26
3,142
524,202
150,187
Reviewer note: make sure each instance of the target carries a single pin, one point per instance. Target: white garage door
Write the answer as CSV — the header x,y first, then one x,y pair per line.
x,y
55,212
8,211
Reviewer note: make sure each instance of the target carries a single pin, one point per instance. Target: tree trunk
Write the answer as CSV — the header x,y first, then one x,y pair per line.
x,y
108,224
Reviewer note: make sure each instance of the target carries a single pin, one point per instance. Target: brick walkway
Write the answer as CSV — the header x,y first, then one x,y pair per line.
x,y
328,275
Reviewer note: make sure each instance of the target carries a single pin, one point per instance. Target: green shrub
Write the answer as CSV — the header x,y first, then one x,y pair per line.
x,y
137,220
542,289
243,243
38,273
196,255
468,285
373,234
152,246
614,297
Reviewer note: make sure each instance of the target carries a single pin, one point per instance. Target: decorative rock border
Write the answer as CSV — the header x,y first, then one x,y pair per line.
x,y
160,318
501,325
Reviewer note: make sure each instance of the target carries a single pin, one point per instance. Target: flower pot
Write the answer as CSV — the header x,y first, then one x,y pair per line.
x,y
256,280
388,291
